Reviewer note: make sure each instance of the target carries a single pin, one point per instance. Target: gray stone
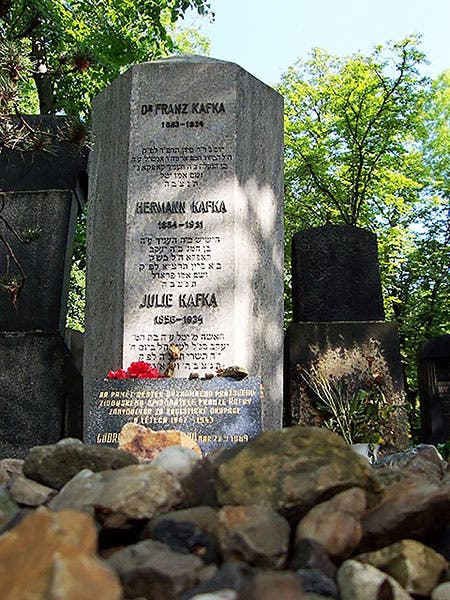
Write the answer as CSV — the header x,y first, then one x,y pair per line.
x,y
309,554
153,570
364,582
33,396
441,592
291,470
214,413
187,538
256,534
120,498
313,580
231,575
219,595
8,508
54,465
10,467
422,459
434,389
28,492
193,148
204,517
335,275
417,568
177,460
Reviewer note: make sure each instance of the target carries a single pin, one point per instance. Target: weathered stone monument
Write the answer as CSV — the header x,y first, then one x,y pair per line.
x,y
185,232
434,389
40,390
335,275
339,328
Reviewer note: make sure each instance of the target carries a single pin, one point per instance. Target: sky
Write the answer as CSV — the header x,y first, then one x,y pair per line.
x,y
265,37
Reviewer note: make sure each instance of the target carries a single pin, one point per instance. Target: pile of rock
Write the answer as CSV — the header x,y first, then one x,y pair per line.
x,y
293,514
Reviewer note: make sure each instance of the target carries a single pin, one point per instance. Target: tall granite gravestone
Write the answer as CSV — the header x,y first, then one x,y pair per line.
x,y
185,224
40,390
434,389
339,322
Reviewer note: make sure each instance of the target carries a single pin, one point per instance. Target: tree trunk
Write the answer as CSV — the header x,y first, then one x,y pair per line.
x,y
42,77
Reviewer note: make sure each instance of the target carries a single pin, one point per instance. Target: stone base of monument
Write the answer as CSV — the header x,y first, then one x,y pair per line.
x,y
40,392
341,350
214,413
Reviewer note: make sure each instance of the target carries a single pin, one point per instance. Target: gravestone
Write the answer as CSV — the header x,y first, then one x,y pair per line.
x,y
185,226
335,275
41,191
31,391
40,389
339,326
46,260
434,389
214,413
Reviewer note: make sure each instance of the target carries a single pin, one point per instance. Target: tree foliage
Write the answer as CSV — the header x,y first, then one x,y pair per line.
x,y
367,144
77,47
347,121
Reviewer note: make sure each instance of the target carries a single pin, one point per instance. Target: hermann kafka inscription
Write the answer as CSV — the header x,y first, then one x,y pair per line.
x,y
185,237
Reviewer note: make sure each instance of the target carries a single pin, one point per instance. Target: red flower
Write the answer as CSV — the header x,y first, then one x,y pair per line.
x,y
120,374
142,370
150,374
137,370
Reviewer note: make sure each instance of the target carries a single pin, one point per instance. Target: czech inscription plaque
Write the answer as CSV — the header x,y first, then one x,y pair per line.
x,y
185,237
215,413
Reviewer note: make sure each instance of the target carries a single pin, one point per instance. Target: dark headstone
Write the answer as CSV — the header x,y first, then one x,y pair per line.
x,y
215,413
32,399
434,389
41,191
335,275
45,260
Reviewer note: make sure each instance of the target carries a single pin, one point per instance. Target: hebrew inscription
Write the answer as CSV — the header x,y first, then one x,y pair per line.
x,y
181,265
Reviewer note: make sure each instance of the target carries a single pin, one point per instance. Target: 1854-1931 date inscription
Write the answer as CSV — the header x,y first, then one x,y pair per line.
x,y
175,225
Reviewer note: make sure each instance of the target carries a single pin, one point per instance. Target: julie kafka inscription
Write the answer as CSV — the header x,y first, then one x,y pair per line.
x,y
215,413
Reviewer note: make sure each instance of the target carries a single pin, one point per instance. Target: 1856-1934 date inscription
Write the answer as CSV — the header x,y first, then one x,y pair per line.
x,y
172,319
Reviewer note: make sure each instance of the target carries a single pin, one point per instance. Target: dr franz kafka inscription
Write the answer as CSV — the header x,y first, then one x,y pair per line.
x,y
182,220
